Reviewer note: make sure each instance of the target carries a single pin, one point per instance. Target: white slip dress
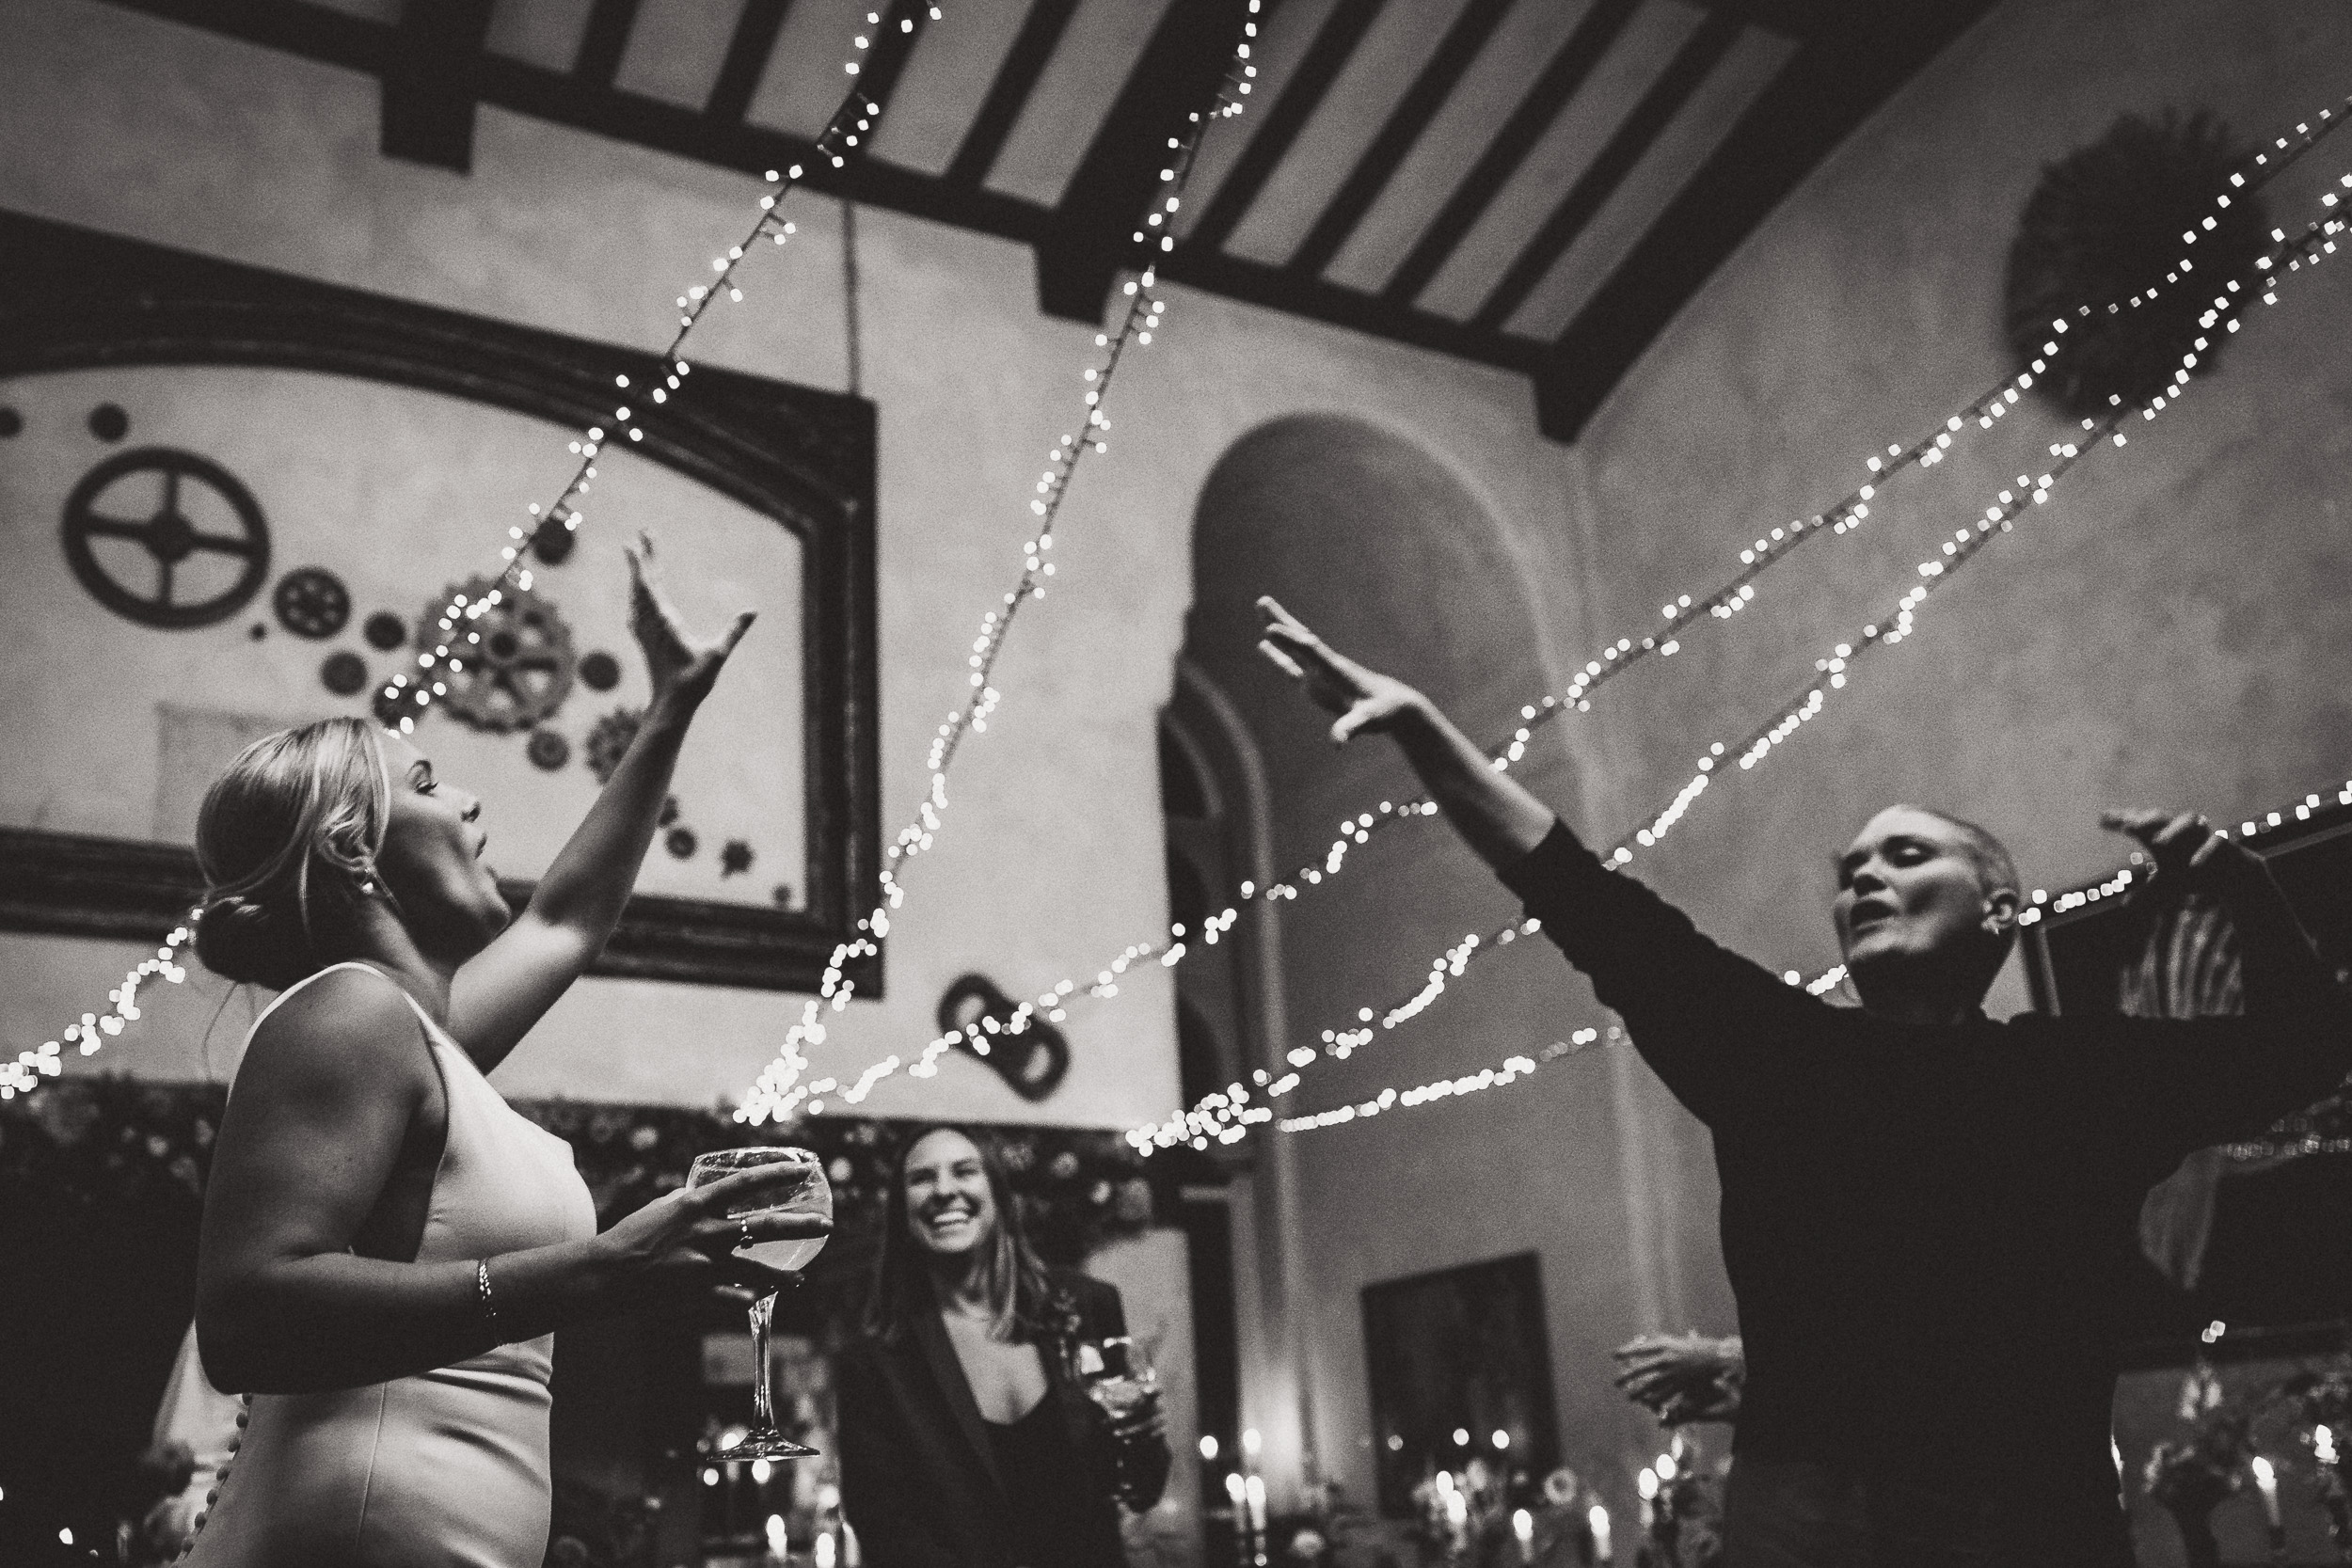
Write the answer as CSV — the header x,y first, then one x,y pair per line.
x,y
445,1470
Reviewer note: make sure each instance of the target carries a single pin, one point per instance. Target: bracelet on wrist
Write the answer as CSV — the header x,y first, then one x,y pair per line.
x,y
488,1301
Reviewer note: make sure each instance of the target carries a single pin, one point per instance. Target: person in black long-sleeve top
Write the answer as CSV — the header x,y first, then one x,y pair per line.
x,y
1927,1215
968,1440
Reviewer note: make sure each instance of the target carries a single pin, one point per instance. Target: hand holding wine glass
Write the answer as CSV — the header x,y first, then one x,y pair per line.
x,y
1127,1390
688,1240
790,1185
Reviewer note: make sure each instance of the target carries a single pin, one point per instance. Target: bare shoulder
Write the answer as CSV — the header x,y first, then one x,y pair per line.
x,y
350,1030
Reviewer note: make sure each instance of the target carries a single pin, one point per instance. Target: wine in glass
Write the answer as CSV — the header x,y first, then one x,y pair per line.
x,y
812,1196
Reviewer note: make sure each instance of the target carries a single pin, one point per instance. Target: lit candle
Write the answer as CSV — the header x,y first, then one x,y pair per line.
x,y
1602,1550
2266,1482
1523,1526
1255,1490
1235,1490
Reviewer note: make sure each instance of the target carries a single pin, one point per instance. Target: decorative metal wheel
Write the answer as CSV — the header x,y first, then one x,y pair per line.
x,y
513,663
103,506
311,602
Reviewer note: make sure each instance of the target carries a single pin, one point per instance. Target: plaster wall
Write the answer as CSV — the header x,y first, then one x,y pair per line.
x,y
2168,630
140,127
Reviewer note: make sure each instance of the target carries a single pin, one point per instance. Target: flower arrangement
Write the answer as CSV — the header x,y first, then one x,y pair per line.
x,y
97,1141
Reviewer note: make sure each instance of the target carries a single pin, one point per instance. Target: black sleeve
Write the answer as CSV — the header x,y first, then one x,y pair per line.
x,y
1723,1032
1141,1468
2193,1082
878,1495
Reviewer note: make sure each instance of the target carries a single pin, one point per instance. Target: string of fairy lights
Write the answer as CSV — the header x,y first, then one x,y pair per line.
x,y
901,23
1721,602
1221,1116
784,1088
1247,1112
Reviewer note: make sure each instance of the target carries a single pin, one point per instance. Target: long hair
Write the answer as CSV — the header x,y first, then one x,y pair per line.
x,y
1011,1274
296,822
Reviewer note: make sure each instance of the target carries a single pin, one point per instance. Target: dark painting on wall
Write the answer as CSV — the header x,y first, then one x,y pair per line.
x,y
2256,1235
1459,1359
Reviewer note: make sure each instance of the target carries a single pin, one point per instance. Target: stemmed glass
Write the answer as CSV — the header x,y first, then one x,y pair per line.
x,y
813,1196
1125,1378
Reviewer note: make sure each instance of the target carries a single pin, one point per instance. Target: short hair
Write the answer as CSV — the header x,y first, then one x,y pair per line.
x,y
1995,866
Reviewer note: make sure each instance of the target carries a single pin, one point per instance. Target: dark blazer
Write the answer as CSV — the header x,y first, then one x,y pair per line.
x,y
918,1481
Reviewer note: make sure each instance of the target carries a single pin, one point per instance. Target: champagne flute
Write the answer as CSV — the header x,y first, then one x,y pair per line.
x,y
812,1196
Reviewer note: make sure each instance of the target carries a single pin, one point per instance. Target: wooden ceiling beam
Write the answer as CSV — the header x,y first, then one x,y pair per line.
x,y
604,41
1088,237
1008,94
1821,96
1536,113
1334,45
1699,54
746,62
1398,133
430,80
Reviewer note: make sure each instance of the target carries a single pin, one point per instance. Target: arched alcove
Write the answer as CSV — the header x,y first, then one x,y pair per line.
x,y
1384,547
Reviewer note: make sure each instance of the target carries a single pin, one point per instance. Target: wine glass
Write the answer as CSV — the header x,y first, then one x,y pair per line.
x,y
1124,1378
813,1196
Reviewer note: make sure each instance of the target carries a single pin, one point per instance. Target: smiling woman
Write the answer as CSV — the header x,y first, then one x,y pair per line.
x,y
967,1437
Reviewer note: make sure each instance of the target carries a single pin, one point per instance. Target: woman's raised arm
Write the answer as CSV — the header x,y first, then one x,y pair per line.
x,y
501,992
1493,812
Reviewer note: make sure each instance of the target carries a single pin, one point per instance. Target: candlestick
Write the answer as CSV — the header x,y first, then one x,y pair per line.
x,y
2266,1482
1523,1526
1602,1550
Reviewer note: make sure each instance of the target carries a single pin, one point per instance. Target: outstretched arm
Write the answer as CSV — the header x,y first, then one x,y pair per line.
x,y
1493,812
509,985
1718,1029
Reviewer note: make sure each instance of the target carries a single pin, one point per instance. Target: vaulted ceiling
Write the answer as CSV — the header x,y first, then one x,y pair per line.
x,y
1536,184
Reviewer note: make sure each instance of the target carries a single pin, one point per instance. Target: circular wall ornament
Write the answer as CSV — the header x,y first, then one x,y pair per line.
x,y
548,750
107,504
343,673
385,631
12,422
311,602
109,423
515,657
601,670
2099,232
681,842
551,541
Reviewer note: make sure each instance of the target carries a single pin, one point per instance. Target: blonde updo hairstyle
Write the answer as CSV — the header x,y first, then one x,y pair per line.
x,y
286,838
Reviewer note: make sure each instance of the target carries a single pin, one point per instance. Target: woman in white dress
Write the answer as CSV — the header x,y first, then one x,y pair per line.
x,y
388,1246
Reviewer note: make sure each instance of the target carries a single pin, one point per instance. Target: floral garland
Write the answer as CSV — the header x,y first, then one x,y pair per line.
x,y
110,1141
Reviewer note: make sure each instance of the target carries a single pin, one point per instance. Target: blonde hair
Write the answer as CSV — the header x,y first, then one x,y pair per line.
x,y
301,811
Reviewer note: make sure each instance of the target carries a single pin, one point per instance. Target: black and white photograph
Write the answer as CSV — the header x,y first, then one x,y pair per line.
x,y
1176,784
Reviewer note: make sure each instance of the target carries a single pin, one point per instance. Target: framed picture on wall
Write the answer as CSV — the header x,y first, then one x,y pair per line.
x,y
1460,1366
238,499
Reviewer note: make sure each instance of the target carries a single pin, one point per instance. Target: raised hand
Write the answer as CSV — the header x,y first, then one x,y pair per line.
x,y
682,666
2187,852
1366,700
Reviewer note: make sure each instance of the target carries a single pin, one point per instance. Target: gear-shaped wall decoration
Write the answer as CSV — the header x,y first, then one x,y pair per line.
x,y
516,656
